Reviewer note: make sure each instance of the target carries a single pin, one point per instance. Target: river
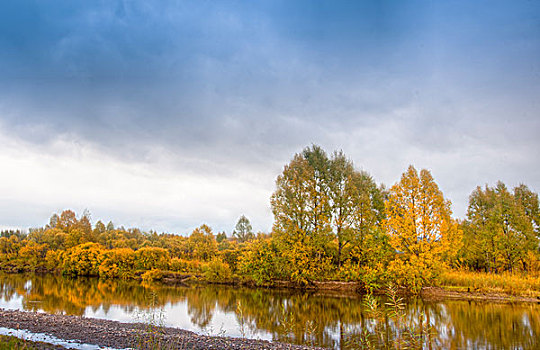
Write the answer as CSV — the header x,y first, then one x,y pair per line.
x,y
290,316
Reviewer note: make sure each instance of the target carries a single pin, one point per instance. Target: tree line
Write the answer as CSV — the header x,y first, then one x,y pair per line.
x,y
331,222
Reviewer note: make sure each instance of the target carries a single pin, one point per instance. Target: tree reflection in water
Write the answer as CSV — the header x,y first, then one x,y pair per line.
x,y
303,318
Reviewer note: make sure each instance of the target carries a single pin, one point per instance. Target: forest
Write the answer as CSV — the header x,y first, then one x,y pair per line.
x,y
332,222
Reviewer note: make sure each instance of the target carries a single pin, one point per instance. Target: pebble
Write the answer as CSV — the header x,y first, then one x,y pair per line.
x,y
119,335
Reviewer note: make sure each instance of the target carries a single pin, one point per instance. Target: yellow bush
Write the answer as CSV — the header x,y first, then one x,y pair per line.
x,y
185,266
83,260
217,271
152,275
414,273
148,258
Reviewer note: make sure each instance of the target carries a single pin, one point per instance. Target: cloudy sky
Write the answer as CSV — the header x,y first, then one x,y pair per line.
x,y
168,114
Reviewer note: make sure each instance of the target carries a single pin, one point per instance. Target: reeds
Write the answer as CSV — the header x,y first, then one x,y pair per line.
x,y
508,283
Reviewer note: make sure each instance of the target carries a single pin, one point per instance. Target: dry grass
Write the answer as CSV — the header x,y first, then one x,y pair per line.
x,y
513,284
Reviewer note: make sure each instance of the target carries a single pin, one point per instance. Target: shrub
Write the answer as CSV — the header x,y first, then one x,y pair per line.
x,y
83,260
259,261
152,275
185,266
148,258
217,271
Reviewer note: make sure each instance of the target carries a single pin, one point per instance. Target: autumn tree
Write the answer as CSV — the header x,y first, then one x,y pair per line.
x,y
356,204
343,197
260,261
84,224
243,230
33,254
301,211
148,258
202,244
320,199
501,227
66,221
421,228
83,260
99,228
300,203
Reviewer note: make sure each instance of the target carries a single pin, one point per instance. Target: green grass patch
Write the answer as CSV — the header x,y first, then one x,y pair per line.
x,y
11,342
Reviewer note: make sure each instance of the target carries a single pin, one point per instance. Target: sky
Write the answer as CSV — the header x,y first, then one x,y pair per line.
x,y
166,115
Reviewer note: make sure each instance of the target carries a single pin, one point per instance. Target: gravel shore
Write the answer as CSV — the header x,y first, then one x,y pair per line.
x,y
126,335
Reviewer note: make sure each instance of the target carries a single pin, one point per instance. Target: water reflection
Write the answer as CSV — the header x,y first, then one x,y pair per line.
x,y
305,318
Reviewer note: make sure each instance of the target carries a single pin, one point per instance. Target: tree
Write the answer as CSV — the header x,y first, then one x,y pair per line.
x,y
53,221
319,200
243,230
84,225
302,216
501,227
67,220
421,229
343,197
300,203
99,228
261,261
527,200
368,218
221,236
202,243
83,260
356,203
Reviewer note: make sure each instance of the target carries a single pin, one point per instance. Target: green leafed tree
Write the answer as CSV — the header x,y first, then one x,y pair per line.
x,y
501,228
301,209
300,203
243,230
221,237
357,204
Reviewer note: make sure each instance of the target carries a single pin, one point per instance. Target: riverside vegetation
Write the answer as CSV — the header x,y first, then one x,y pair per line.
x,y
8,342
332,223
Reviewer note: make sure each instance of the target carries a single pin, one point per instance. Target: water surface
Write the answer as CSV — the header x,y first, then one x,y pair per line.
x,y
291,316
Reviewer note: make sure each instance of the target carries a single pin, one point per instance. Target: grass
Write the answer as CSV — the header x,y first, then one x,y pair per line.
x,y
150,337
11,342
507,283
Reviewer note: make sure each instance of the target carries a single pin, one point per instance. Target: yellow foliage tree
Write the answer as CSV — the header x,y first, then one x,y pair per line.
x,y
202,244
83,260
421,229
149,258
118,262
33,254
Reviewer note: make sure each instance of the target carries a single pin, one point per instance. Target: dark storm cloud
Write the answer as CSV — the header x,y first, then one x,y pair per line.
x,y
189,74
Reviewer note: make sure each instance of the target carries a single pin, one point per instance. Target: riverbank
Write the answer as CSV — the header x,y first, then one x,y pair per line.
x,y
105,333
464,293
456,285
8,342
487,292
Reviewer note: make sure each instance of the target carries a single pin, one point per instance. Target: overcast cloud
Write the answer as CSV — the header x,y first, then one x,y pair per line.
x,y
169,114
